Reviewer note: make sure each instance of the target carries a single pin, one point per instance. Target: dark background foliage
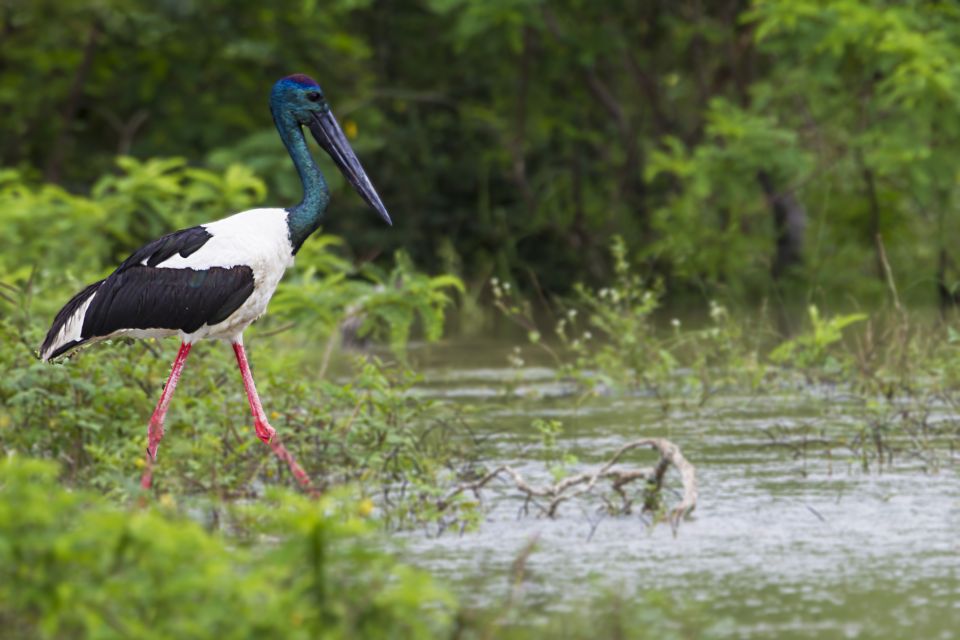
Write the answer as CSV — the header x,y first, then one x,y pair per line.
x,y
752,149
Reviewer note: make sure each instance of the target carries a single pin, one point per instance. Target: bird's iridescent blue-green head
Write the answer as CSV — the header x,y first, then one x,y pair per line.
x,y
298,98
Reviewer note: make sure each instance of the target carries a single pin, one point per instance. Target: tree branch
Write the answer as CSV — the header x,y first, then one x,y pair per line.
x,y
583,483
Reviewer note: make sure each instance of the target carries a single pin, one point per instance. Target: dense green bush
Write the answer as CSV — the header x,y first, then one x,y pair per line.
x,y
75,566
74,238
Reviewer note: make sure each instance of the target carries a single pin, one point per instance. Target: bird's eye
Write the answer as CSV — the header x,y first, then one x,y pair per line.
x,y
314,96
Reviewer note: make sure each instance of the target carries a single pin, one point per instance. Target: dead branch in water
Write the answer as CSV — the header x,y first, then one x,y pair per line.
x,y
583,483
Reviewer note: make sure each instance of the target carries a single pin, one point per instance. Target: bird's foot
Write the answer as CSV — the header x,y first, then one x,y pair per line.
x,y
264,431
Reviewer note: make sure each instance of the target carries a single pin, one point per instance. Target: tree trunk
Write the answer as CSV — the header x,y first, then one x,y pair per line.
x,y
789,223
873,202
69,113
517,143
947,296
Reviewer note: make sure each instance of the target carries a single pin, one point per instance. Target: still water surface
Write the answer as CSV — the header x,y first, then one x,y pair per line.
x,y
785,546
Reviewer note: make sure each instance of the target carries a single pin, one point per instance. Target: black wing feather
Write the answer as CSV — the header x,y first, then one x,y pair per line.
x,y
185,242
142,297
63,316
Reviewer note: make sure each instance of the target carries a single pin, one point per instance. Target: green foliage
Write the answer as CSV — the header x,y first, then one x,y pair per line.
x,y
47,227
677,126
707,226
74,566
381,304
632,351
812,350
609,339
621,313
726,354
877,86
402,296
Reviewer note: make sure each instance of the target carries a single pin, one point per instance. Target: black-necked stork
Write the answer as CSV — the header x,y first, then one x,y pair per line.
x,y
213,280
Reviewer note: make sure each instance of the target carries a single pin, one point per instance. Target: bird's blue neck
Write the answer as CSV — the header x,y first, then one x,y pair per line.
x,y
304,218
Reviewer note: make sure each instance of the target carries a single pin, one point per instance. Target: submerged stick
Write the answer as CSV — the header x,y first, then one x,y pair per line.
x,y
583,483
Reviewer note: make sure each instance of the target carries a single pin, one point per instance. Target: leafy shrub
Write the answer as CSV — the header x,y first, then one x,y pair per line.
x,y
46,226
813,349
610,338
74,566
378,303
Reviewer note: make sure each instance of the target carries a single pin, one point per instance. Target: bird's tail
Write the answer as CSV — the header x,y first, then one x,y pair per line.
x,y
66,333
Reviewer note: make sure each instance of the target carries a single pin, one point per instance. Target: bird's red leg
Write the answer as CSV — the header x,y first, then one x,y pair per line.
x,y
264,431
155,430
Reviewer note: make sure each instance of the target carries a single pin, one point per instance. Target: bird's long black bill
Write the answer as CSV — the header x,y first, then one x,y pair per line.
x,y
329,135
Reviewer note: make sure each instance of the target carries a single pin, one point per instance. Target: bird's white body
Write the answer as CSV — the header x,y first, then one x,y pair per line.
x,y
256,238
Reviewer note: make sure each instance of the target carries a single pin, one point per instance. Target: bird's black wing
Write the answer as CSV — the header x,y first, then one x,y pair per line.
x,y
184,242
142,297
52,347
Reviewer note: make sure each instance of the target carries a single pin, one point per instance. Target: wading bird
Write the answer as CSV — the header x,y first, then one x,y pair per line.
x,y
213,280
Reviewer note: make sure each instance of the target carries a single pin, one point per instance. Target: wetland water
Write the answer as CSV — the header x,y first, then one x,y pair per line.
x,y
783,546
